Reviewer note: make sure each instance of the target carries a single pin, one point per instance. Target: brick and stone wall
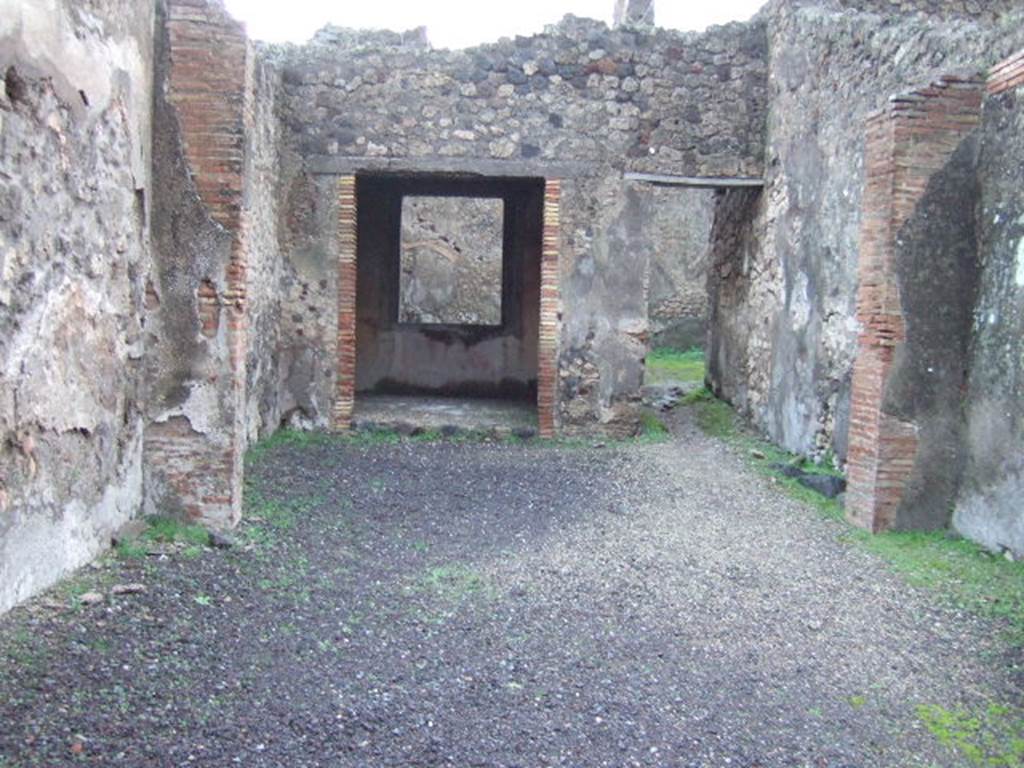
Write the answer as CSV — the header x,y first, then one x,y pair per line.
x,y
988,507
396,356
215,300
788,347
197,324
580,103
917,284
75,201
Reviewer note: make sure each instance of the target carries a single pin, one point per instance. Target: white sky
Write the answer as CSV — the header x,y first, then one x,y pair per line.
x,y
461,23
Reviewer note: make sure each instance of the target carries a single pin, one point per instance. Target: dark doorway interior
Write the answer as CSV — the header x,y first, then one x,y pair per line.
x,y
495,360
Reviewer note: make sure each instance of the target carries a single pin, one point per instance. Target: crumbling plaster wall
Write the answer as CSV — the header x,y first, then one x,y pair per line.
x,y
308,332
451,260
261,223
680,222
214,300
785,333
990,506
581,103
75,191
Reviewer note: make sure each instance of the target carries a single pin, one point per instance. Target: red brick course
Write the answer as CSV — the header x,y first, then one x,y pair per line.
x,y
547,363
907,142
207,86
1006,75
345,386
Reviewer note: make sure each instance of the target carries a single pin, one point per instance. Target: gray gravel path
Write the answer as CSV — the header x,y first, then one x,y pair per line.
x,y
501,605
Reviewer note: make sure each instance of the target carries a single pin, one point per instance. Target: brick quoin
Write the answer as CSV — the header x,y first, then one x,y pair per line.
x,y
547,362
210,70
345,387
907,142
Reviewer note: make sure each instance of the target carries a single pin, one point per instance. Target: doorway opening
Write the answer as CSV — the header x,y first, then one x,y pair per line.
x,y
680,220
448,301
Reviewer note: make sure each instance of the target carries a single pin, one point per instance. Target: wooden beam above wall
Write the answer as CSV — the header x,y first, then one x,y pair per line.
x,y
702,182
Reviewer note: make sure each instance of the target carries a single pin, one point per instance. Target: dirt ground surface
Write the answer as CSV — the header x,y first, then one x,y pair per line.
x,y
447,604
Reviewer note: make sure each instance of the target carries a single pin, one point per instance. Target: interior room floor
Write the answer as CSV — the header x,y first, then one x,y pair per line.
x,y
416,412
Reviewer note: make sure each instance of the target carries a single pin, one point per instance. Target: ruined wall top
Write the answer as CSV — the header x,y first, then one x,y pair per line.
x,y
579,95
976,10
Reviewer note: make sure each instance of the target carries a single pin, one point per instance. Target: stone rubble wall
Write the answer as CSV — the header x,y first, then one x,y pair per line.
x,y
659,101
785,328
579,102
989,505
987,10
75,201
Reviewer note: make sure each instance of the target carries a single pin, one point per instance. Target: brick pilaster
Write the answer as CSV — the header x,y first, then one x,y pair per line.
x,y
547,363
208,78
907,143
345,388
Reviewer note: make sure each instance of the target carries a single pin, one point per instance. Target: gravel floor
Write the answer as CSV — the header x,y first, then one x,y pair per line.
x,y
500,605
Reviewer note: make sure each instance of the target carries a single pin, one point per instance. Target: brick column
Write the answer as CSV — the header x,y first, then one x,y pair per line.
x,y
208,70
345,388
547,363
907,142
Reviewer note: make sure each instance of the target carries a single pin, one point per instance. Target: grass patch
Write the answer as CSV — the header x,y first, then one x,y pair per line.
x,y
24,650
993,736
652,429
164,530
266,518
665,364
298,438
292,579
965,573
959,571
169,531
131,549
453,583
427,436
449,588
714,417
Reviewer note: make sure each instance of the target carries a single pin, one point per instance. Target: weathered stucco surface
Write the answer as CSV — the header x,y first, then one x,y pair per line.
x,y
677,298
261,223
74,256
990,506
451,258
937,278
193,406
785,335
